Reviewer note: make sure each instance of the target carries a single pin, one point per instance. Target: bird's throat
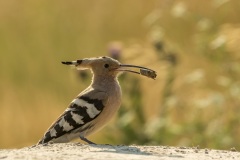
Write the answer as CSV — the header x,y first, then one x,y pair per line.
x,y
104,81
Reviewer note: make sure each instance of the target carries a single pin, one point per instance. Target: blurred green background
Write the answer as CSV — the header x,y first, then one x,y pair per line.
x,y
193,45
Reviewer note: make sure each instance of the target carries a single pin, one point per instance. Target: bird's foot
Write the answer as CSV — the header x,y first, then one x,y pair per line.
x,y
86,140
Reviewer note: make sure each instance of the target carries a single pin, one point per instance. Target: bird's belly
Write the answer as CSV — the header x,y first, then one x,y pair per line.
x,y
101,120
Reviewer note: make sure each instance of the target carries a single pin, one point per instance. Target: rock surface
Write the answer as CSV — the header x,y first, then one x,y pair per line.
x,y
73,151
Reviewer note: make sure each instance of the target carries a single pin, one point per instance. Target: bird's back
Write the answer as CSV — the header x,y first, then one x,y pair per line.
x,y
87,113
81,111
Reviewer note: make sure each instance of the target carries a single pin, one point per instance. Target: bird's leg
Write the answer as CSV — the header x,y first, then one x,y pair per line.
x,y
86,140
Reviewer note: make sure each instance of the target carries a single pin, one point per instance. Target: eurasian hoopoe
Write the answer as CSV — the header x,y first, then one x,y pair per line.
x,y
94,106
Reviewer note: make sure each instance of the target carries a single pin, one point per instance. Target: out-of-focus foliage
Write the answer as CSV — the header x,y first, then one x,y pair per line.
x,y
193,45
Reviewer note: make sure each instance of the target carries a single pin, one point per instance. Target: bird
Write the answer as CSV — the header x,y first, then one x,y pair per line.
x,y
95,106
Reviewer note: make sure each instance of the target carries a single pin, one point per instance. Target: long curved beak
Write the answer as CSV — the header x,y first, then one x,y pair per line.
x,y
143,70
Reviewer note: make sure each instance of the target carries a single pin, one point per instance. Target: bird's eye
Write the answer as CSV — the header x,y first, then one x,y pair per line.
x,y
106,65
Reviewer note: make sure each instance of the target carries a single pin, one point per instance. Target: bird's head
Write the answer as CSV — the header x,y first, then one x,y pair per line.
x,y
106,66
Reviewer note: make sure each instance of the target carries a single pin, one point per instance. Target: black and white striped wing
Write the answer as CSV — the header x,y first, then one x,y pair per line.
x,y
81,111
